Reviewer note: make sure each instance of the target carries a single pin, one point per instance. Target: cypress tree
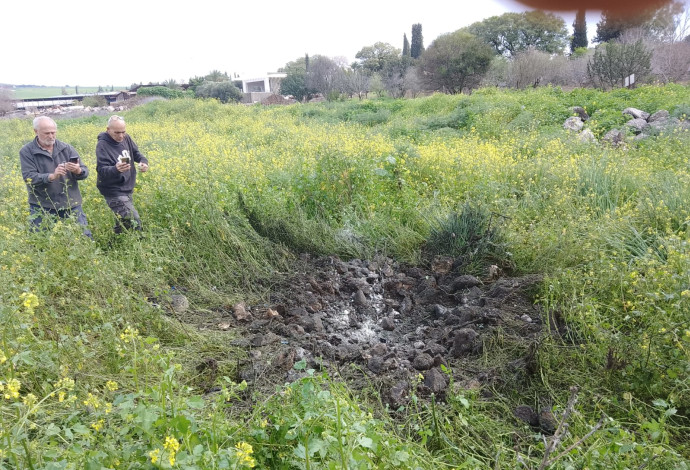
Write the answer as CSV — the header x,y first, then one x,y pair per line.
x,y
579,32
417,45
406,46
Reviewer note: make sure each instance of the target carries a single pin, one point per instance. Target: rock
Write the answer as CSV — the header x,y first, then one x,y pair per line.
x,y
271,314
581,113
637,125
435,381
547,421
284,360
360,299
388,324
464,342
418,345
439,311
464,282
526,318
398,394
379,349
442,264
586,136
614,137
406,305
375,364
179,302
636,113
423,361
527,414
262,340
240,312
660,115
574,124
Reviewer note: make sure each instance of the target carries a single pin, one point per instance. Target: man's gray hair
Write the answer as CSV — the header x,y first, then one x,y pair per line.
x,y
114,118
38,119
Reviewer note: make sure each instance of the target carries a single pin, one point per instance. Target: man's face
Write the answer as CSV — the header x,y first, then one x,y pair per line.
x,y
46,132
116,130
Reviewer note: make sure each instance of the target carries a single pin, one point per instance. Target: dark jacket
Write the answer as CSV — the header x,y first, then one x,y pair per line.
x,y
111,182
37,164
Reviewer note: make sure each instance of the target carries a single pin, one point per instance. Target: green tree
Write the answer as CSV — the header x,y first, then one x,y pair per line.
x,y
217,76
224,91
375,58
579,32
511,33
613,61
658,20
294,84
455,61
417,45
406,46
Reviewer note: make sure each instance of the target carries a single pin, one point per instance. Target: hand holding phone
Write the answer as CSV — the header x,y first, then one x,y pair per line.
x,y
74,159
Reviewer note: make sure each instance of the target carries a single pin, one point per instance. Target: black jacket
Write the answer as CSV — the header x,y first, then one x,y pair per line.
x,y
111,182
37,164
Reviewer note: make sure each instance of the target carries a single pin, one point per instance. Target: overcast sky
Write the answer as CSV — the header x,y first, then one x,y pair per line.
x,y
91,43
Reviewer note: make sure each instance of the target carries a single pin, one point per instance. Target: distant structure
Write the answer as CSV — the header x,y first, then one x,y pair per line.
x,y
257,89
68,100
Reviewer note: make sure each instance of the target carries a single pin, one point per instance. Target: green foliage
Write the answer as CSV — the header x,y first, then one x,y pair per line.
x,y
163,91
455,61
471,236
294,84
94,101
376,58
614,61
579,39
225,91
656,20
511,33
417,45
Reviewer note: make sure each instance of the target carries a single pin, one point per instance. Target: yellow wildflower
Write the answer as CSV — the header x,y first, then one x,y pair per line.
x,y
154,455
111,385
243,452
12,389
30,399
98,425
171,444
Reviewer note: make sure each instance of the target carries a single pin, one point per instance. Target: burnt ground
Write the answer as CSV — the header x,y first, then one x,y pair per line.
x,y
383,323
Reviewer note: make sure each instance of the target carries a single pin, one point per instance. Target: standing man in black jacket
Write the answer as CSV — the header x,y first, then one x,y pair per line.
x,y
116,154
51,170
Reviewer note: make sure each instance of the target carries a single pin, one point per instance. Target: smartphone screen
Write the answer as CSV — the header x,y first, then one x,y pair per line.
x,y
74,159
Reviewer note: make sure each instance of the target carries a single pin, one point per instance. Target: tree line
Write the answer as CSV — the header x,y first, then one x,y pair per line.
x,y
516,50
512,50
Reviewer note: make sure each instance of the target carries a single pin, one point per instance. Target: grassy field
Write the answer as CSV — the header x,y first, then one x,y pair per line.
x,y
21,93
92,375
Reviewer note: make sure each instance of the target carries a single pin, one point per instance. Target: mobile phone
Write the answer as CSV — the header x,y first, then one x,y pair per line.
x,y
124,159
74,159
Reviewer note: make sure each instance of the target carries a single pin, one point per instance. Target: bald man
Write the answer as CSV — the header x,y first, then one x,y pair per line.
x,y
51,170
116,155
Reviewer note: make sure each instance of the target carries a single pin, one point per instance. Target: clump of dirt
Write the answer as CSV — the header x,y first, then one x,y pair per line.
x,y
405,328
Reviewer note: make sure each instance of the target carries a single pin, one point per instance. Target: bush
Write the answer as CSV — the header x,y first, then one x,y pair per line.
x,y
165,92
94,101
222,91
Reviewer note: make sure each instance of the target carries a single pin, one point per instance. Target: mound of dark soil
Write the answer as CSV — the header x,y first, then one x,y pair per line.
x,y
400,327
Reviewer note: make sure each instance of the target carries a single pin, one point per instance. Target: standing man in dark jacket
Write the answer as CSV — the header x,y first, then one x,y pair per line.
x,y
51,169
116,153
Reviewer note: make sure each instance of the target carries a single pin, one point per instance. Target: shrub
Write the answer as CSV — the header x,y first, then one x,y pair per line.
x,y
222,91
94,101
165,92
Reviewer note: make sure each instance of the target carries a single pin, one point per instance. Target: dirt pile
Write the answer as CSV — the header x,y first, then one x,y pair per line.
x,y
401,327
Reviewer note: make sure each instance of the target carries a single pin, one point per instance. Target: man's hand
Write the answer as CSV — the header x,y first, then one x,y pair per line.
x,y
73,168
143,167
60,170
123,167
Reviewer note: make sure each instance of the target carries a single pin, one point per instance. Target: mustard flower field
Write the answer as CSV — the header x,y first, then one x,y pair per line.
x,y
95,374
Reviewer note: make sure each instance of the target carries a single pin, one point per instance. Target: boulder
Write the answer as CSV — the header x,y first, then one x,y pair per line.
x,y
636,113
586,136
614,137
574,124
637,125
581,113
660,115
